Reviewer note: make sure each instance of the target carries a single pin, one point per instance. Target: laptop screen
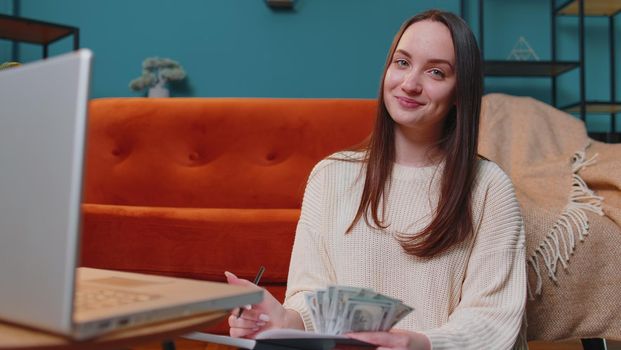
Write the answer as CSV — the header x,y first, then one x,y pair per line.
x,y
42,128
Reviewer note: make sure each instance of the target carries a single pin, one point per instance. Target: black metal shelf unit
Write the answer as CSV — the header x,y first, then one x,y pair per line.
x,y
592,8
553,68
19,29
546,69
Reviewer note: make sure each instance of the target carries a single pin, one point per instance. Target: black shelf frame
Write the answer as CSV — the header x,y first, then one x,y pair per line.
x,y
553,68
20,29
544,69
612,106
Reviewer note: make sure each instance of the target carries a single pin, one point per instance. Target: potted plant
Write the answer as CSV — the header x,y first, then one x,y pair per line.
x,y
156,73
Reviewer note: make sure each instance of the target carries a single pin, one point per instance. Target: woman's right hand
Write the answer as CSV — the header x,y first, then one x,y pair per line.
x,y
267,314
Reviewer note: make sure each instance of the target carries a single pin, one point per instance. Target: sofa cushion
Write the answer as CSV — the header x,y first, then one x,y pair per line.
x,y
185,242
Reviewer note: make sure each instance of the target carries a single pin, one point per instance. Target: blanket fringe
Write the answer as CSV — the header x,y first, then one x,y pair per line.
x,y
560,242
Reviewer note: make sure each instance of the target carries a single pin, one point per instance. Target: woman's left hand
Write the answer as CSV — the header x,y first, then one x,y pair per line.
x,y
394,340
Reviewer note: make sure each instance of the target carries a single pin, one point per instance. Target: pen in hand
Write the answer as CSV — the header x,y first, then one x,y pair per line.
x,y
257,278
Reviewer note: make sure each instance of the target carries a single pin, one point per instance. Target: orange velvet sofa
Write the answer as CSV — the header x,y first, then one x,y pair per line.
x,y
192,187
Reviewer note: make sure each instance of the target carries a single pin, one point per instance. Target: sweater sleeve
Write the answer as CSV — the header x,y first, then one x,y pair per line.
x,y
310,267
493,297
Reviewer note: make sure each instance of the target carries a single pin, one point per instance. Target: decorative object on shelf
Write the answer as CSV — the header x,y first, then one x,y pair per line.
x,y
281,4
156,73
6,65
522,51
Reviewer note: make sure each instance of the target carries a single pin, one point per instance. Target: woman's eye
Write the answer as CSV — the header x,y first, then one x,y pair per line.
x,y
437,73
401,63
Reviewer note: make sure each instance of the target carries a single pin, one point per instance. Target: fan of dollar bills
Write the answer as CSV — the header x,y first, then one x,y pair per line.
x,y
340,309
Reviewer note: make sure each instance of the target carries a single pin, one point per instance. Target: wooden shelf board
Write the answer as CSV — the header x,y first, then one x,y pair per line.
x,y
592,8
597,107
607,137
527,68
31,31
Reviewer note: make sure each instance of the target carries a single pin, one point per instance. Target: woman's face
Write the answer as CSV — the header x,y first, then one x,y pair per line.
x,y
419,85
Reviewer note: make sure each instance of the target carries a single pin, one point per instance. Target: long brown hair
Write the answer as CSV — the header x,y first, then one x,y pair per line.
x,y
452,222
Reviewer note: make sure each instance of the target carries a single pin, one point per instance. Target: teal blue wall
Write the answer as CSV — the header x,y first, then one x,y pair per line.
x,y
325,48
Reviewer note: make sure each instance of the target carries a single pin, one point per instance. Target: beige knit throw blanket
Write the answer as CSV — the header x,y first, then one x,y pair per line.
x,y
569,189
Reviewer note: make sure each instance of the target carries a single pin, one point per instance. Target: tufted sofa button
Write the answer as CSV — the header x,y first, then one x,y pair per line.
x,y
194,157
121,151
271,156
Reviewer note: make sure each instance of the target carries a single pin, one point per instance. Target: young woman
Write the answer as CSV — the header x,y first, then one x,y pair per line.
x,y
414,215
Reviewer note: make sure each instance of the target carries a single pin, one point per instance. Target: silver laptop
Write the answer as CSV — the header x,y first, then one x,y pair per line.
x,y
43,118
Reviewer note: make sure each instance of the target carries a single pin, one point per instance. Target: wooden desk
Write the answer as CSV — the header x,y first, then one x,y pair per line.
x,y
17,338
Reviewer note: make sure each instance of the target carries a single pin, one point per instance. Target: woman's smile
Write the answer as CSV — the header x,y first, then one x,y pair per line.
x,y
408,103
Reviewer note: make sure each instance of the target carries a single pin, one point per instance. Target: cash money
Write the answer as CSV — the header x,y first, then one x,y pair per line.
x,y
342,309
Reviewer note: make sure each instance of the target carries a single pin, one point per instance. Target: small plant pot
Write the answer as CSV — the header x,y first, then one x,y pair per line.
x,y
158,91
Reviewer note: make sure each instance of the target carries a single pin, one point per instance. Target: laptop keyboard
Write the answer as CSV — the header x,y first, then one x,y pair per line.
x,y
87,299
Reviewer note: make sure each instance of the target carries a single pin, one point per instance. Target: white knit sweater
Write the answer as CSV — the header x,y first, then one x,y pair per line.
x,y
470,297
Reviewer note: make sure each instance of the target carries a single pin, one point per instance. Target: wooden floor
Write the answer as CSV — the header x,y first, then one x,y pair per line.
x,y
184,344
